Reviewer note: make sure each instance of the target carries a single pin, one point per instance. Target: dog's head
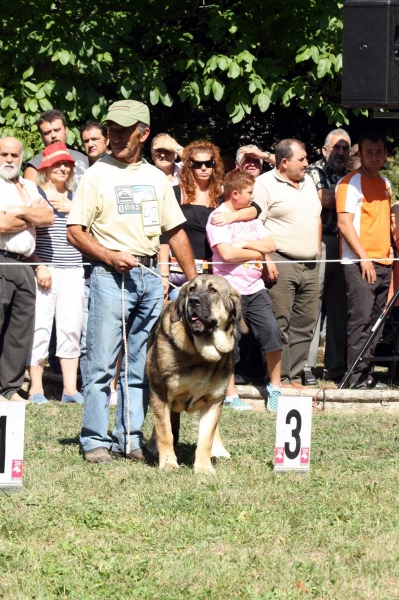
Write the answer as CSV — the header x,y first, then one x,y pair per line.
x,y
208,303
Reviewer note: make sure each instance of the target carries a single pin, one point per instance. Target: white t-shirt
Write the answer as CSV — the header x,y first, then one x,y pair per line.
x,y
24,241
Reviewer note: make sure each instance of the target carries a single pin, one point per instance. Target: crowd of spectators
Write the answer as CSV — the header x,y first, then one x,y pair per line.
x,y
307,246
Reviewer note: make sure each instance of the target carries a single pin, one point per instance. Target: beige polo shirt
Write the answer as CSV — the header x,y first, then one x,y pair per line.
x,y
108,202
291,215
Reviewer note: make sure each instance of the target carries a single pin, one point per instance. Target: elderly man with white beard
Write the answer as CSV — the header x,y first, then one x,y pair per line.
x,y
21,209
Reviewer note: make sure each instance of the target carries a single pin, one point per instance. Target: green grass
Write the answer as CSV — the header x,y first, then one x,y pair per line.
x,y
125,530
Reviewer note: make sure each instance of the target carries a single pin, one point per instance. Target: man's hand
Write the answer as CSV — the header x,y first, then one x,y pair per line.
x,y
165,285
222,218
368,271
122,262
272,271
63,206
43,276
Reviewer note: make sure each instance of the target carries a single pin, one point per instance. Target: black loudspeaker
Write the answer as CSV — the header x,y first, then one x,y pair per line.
x,y
370,70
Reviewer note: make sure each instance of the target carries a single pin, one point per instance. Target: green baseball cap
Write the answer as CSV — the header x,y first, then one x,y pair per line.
x,y
128,112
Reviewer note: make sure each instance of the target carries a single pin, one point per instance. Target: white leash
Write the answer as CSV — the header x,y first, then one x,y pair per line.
x,y
127,441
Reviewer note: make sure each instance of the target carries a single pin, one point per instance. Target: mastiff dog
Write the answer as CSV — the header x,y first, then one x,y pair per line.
x,y
189,363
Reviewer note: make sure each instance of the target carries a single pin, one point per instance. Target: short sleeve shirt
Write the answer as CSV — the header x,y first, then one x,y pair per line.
x,y
369,200
246,277
108,202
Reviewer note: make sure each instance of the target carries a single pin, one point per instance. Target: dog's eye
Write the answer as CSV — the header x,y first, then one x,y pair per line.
x,y
213,290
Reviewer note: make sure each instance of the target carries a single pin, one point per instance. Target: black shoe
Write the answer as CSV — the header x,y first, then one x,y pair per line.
x,y
308,378
370,384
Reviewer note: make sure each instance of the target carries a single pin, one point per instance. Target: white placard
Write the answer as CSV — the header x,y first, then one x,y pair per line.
x,y
12,430
293,434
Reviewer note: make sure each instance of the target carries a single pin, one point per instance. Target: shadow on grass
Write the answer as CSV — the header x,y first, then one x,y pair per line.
x,y
185,454
69,441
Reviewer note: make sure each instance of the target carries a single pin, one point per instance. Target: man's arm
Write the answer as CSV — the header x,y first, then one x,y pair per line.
x,y
34,215
230,254
181,249
346,227
10,223
85,243
327,197
31,174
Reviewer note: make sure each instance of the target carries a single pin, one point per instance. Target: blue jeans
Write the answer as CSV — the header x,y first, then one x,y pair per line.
x,y
143,300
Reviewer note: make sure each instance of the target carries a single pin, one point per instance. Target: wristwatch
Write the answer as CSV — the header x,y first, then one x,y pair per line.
x,y
178,148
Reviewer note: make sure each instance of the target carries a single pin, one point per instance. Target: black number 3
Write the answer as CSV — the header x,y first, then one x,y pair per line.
x,y
3,425
291,454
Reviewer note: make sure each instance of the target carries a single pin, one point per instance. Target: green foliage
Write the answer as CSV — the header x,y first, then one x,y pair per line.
x,y
80,56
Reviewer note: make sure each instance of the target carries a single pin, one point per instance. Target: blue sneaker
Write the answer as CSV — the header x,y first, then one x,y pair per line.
x,y
237,404
38,399
76,398
273,394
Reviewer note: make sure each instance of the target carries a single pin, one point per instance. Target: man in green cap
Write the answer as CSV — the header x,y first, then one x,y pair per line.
x,y
121,206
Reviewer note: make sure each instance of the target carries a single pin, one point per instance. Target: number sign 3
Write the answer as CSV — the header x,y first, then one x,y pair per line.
x,y
293,434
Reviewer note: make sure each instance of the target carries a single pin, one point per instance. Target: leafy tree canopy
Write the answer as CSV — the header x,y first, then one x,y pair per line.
x,y
245,55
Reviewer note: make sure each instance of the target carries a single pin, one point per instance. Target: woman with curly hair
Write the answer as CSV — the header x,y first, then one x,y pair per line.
x,y
199,193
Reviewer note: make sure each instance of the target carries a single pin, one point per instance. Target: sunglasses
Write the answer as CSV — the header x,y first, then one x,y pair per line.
x,y
197,164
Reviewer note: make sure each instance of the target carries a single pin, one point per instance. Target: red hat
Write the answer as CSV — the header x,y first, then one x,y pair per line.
x,y
55,153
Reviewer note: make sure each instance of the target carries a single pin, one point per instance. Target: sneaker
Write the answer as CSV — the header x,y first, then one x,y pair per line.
x,y
77,398
308,378
237,404
38,399
273,394
97,455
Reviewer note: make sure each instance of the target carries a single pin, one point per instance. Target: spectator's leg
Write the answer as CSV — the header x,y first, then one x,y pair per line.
x,y
311,362
336,313
17,308
360,297
282,295
303,319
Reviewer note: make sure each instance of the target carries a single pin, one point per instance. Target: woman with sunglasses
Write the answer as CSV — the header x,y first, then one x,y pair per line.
x,y
199,193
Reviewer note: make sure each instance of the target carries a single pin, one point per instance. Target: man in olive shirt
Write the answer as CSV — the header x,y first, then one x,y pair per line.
x,y
121,206
293,220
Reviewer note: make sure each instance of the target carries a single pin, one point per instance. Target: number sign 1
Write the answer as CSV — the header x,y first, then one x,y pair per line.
x,y
293,434
12,429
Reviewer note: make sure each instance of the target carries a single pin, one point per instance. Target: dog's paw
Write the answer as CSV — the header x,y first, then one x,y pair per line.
x,y
168,464
219,452
204,470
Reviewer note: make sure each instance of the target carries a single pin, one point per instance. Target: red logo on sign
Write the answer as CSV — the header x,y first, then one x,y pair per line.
x,y
305,456
17,467
279,456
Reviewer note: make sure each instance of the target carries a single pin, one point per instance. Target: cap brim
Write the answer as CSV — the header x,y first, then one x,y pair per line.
x,y
122,120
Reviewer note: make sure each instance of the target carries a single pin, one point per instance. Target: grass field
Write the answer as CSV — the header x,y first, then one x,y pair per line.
x,y
125,530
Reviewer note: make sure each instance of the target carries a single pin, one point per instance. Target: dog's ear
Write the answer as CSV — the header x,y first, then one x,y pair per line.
x,y
178,309
235,310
